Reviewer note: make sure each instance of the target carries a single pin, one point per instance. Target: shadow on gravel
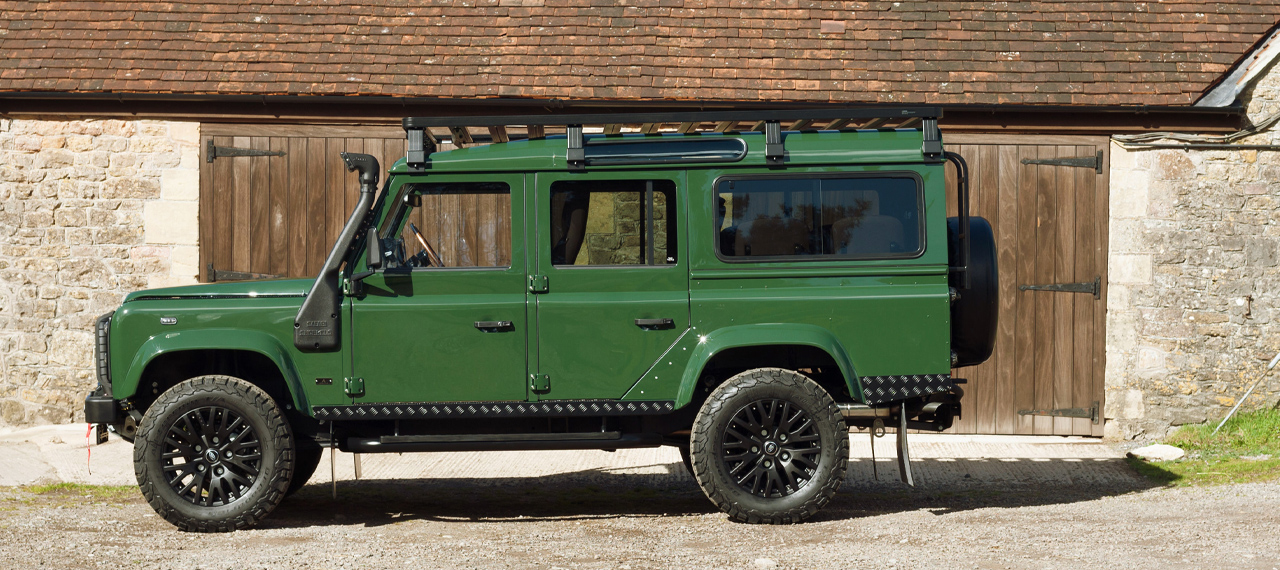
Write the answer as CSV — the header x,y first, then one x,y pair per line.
x,y
942,487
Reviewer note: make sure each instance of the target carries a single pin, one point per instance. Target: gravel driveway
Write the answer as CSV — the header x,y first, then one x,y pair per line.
x,y
1017,505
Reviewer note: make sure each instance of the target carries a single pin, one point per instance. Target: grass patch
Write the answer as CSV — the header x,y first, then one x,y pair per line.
x,y
78,489
1246,449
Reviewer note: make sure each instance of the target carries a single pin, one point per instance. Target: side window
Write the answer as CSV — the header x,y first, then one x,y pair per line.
x,y
613,222
466,224
854,217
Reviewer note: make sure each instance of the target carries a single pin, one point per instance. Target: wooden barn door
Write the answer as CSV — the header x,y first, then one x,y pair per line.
x,y
1046,199
273,198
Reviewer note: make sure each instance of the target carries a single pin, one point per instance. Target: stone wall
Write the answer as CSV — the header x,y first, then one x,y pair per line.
x,y
89,211
1192,311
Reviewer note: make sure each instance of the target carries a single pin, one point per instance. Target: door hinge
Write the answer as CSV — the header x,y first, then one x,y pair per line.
x,y
1087,413
354,387
1094,162
537,283
1094,288
539,382
212,152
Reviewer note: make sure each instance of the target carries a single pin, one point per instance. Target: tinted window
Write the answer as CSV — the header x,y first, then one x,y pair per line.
x,y
602,152
862,217
613,222
468,224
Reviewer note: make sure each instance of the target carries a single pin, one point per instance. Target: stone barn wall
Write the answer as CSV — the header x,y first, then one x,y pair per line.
x,y
1192,312
89,211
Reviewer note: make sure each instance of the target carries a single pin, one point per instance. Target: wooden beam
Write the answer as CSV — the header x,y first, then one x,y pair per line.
x,y
460,136
499,134
758,127
837,124
723,126
649,128
613,128
685,127
537,131
909,123
801,125
873,123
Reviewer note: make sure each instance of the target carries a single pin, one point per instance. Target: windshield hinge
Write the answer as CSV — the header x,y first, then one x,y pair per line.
x,y
538,284
540,383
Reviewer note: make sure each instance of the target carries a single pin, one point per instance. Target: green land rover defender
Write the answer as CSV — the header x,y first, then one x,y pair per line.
x,y
738,290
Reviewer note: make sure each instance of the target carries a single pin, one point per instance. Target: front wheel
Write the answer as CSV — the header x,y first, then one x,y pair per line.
x,y
214,454
769,446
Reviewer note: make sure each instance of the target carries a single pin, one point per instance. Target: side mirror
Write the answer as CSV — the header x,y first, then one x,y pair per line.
x,y
373,253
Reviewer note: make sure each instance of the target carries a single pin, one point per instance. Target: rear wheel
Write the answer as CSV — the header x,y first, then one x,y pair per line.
x,y
214,454
769,446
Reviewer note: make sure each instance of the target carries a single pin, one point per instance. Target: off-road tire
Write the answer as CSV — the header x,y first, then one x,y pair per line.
x,y
258,411
687,458
304,466
711,457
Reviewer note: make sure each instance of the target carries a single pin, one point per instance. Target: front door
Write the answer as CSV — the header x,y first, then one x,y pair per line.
x,y
456,330
611,281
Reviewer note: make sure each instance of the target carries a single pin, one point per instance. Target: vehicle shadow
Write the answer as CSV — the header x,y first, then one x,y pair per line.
x,y
942,487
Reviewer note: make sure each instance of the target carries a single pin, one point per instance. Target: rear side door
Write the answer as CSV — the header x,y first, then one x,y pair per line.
x,y
610,282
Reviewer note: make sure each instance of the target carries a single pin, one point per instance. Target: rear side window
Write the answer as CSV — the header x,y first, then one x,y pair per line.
x,y
613,222
863,217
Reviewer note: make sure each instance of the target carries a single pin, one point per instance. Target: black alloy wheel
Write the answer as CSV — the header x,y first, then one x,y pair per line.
x,y
212,456
770,448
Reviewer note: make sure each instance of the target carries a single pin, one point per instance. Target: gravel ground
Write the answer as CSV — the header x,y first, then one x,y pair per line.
x,y
650,514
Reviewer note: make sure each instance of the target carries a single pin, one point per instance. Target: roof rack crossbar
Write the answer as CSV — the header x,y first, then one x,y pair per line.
x,y
421,143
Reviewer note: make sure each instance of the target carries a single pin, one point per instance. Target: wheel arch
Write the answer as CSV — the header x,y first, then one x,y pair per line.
x,y
723,343
253,356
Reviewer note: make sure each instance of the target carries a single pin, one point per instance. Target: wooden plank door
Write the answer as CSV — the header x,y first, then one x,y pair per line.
x,y
279,214
1050,223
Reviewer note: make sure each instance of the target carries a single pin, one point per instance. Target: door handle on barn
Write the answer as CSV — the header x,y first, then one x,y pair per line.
x,y
1094,288
655,324
495,326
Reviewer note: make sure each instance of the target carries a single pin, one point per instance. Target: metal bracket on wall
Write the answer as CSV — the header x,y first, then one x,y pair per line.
x,y
1087,413
1094,288
212,152
1094,162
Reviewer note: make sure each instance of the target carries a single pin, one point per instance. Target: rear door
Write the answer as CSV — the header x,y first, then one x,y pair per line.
x,y
611,280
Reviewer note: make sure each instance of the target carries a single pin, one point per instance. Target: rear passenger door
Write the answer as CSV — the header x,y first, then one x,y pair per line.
x,y
610,280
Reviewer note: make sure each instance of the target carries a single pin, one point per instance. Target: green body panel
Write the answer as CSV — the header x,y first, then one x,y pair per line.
x,y
588,342
411,335
682,366
250,316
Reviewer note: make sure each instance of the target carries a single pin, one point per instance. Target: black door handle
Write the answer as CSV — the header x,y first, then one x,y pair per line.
x,y
655,324
495,325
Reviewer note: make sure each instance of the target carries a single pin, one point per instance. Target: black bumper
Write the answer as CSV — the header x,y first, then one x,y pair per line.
x,y
100,409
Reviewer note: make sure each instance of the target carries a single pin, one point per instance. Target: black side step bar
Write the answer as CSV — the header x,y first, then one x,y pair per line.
x,y
501,442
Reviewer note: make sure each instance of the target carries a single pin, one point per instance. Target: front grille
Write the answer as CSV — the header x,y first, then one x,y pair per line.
x,y
101,354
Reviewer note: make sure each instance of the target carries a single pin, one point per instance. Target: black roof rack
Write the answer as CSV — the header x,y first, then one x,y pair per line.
x,y
422,142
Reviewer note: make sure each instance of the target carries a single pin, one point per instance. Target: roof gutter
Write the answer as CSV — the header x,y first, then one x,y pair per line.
x,y
1103,119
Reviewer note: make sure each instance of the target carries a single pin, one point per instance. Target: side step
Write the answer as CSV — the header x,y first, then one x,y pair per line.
x,y
501,442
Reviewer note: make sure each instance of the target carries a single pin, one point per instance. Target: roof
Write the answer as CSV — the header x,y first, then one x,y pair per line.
x,y
1061,53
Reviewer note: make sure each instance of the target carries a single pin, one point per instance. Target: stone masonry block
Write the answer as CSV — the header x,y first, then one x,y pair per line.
x,y
180,184
1130,268
170,222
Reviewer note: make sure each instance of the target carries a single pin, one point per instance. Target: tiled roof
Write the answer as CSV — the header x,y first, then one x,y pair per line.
x,y
1062,52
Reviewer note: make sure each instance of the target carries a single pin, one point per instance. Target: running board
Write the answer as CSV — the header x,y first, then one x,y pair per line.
x,y
548,408
501,442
